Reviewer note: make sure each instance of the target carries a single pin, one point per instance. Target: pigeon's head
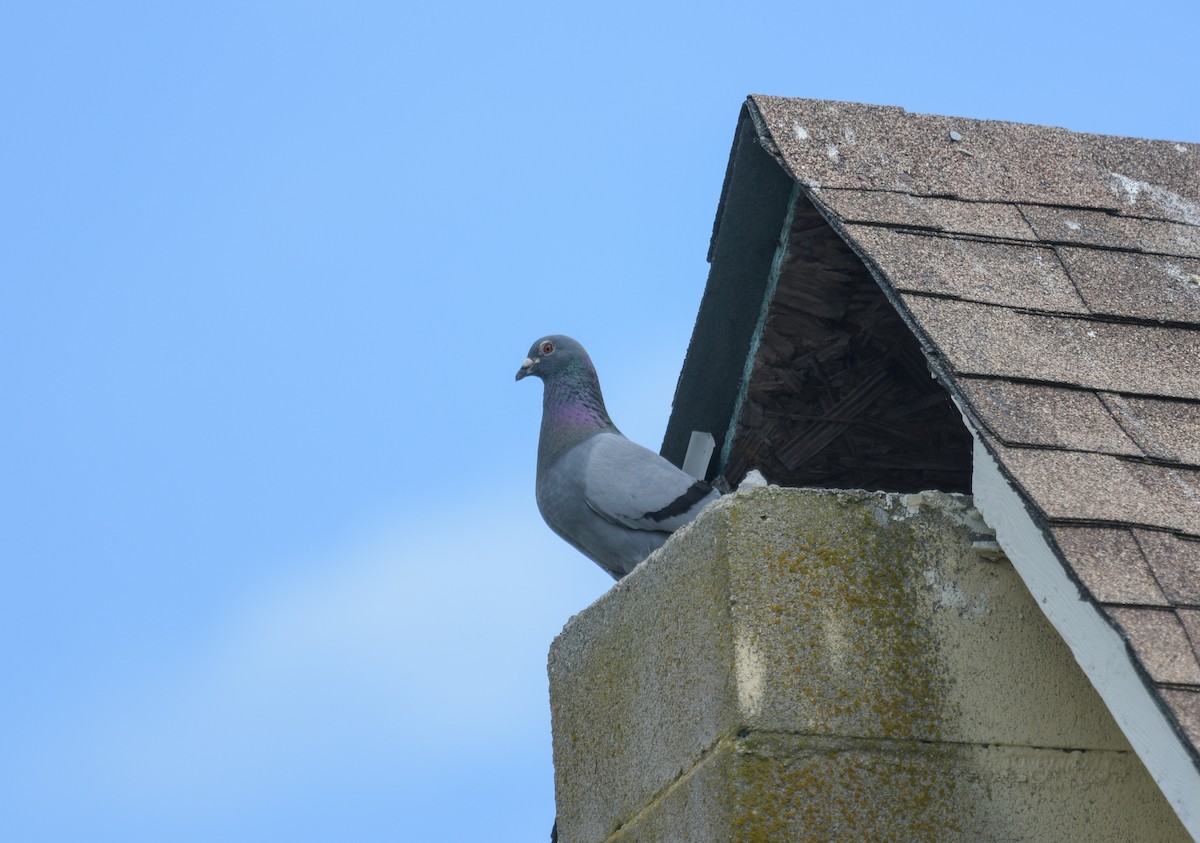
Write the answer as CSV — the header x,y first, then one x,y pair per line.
x,y
551,355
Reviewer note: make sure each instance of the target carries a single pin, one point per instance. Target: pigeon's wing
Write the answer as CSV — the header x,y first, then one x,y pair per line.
x,y
632,486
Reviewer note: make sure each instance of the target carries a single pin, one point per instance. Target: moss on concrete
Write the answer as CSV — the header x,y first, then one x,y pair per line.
x,y
832,665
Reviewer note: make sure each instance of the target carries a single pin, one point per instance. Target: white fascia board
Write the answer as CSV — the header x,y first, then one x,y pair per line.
x,y
1097,647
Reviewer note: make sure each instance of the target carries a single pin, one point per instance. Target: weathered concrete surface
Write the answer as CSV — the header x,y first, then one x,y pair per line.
x,y
833,665
772,788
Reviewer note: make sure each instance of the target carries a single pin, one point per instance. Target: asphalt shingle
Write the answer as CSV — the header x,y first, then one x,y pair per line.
x,y
1159,640
1175,562
1118,491
838,144
1165,430
1096,228
1047,416
983,219
973,270
1184,703
979,339
1126,284
1110,565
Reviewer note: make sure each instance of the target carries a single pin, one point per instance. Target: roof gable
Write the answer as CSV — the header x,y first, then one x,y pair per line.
x,y
1052,280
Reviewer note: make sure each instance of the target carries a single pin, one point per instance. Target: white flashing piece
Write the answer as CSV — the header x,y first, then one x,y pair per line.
x,y
1097,647
699,452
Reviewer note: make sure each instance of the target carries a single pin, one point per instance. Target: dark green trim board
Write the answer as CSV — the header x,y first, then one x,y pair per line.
x,y
751,214
765,308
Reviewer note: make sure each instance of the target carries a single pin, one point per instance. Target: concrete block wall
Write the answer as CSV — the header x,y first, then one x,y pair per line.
x,y
814,665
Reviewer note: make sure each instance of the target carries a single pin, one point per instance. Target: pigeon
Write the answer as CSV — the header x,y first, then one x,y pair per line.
x,y
611,499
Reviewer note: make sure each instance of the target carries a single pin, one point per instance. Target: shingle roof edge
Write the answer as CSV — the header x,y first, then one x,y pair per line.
x,y
869,147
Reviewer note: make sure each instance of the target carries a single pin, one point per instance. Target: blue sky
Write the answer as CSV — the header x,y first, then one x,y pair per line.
x,y
271,560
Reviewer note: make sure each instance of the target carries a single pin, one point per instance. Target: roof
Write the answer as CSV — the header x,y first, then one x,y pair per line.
x,y
1050,280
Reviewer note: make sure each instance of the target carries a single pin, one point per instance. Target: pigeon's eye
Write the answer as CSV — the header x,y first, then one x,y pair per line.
x,y
547,348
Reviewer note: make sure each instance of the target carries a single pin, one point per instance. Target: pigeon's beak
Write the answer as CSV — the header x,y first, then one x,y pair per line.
x,y
525,367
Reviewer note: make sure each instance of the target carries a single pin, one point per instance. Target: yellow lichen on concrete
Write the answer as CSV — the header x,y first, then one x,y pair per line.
x,y
847,609
788,789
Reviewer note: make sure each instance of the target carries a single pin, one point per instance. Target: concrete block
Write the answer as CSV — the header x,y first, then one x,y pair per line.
x,y
831,637
768,788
